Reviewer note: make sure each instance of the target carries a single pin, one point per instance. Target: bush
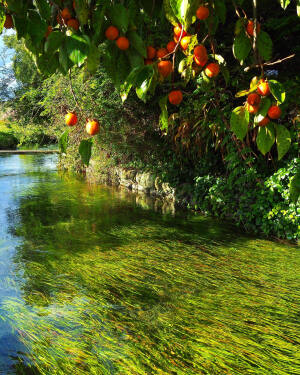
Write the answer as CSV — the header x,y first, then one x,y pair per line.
x,y
8,141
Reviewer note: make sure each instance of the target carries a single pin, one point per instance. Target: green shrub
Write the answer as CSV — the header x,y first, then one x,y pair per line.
x,y
8,141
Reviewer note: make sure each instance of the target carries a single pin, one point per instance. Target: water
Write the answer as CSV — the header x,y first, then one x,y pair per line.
x,y
94,282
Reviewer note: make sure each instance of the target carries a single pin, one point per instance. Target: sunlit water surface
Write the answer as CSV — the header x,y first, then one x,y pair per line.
x,y
94,282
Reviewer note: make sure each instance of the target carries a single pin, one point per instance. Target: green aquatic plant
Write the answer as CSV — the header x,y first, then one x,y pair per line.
x,y
108,287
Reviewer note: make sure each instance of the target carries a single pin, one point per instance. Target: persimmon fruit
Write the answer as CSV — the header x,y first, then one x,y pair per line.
x,y
111,33
71,119
9,23
274,112
165,68
263,88
66,15
252,109
253,99
177,31
212,70
123,43
202,13
250,28
200,62
184,43
92,127
161,53
200,52
264,121
73,23
171,46
49,31
175,97
151,52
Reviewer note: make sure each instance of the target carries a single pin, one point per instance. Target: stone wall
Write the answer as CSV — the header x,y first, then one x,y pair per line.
x,y
143,182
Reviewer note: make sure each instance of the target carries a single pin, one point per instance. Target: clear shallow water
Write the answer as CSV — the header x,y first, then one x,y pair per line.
x,y
92,282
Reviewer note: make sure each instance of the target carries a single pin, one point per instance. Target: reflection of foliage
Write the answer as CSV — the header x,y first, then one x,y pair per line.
x,y
111,288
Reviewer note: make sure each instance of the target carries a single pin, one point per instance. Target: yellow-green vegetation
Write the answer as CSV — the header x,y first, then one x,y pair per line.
x,y
107,287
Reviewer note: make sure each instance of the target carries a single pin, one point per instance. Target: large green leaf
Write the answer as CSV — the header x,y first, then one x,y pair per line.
x,y
63,142
93,59
298,7
283,140
170,15
265,138
137,42
119,17
37,27
144,81
263,110
21,25
129,83
220,8
77,48
82,11
181,9
284,3
163,118
64,60
44,8
54,41
264,45
239,121
241,47
277,90
48,64
98,24
85,151
295,188
17,6
2,18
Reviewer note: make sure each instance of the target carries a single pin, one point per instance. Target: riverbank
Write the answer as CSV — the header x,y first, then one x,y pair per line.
x,y
261,208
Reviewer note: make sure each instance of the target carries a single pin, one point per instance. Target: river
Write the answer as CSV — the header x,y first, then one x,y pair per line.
x,y
94,282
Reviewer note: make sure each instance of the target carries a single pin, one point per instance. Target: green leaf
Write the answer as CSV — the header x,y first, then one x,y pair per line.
x,y
93,59
98,24
63,142
21,24
298,7
277,90
85,151
43,8
82,11
169,13
239,121
295,188
129,83
264,45
163,118
64,60
37,27
180,9
144,81
119,17
283,140
265,138
263,110
54,41
284,3
48,64
241,47
2,18
137,42
77,48
220,8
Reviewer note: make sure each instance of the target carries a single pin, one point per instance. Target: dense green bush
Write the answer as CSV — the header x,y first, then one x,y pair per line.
x,y
7,141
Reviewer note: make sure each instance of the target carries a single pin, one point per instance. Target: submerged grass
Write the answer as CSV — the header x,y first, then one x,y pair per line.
x,y
110,288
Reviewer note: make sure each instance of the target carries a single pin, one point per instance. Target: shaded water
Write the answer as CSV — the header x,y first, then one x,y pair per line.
x,y
93,283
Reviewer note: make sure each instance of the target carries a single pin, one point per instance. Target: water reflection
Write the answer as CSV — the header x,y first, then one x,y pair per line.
x,y
104,285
